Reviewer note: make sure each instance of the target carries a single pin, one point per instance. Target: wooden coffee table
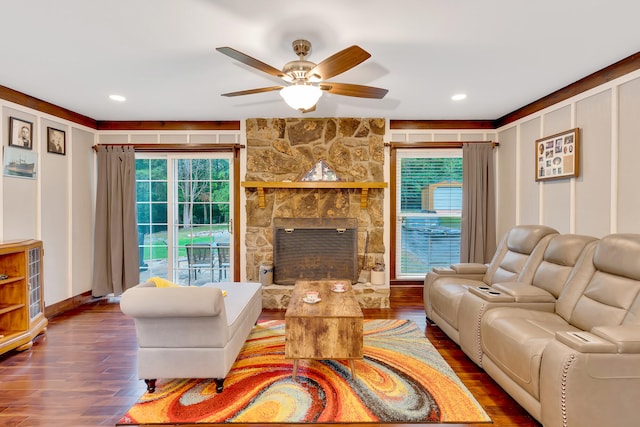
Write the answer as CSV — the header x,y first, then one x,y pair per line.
x,y
329,329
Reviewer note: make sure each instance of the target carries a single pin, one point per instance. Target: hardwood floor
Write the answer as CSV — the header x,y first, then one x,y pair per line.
x,y
82,372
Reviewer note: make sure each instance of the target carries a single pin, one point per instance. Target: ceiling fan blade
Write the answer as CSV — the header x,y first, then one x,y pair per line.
x,y
359,91
309,110
339,63
252,62
252,91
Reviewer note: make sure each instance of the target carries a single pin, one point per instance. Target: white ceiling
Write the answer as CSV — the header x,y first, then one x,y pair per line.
x,y
161,54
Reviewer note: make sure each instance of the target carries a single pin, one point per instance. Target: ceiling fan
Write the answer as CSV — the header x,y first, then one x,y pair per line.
x,y
306,81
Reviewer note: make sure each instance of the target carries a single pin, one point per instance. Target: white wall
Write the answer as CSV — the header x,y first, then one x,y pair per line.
x,y
604,198
19,195
54,201
82,211
56,206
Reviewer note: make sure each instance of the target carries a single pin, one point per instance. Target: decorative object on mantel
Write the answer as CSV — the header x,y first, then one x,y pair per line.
x,y
557,156
320,172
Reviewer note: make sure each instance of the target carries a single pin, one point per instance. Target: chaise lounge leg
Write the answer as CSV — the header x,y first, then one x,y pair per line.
x,y
151,385
219,384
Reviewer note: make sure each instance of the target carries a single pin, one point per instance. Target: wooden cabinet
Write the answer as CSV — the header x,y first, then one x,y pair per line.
x,y
21,299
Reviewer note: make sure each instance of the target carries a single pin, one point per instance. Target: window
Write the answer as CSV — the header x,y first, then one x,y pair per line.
x,y
428,209
152,205
184,212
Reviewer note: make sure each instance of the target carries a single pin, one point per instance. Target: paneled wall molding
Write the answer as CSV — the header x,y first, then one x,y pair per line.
x,y
572,100
572,181
615,148
518,161
597,80
541,183
602,199
165,125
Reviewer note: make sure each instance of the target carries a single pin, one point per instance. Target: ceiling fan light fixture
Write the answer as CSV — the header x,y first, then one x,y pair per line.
x,y
314,78
301,96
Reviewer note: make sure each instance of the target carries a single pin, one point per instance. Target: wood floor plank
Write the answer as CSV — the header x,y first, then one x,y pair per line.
x,y
82,371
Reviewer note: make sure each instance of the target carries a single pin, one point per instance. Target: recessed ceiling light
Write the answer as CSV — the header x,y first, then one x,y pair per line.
x,y
118,98
459,96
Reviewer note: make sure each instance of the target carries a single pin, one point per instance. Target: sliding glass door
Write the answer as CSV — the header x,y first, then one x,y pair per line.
x,y
428,209
184,217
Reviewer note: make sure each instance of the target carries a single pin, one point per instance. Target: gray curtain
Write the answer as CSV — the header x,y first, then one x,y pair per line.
x,y
115,252
478,228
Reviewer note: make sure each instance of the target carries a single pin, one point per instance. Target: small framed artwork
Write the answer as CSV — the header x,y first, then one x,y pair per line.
x,y
557,156
20,163
20,133
56,141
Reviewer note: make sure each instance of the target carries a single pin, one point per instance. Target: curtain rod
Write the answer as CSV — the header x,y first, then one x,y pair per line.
x,y
435,144
174,148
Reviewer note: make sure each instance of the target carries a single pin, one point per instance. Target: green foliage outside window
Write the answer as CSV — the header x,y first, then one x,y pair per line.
x,y
417,173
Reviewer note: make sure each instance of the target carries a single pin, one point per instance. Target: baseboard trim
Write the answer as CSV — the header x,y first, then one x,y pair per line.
x,y
68,304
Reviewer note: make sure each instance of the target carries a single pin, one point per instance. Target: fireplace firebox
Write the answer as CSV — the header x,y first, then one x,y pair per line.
x,y
315,249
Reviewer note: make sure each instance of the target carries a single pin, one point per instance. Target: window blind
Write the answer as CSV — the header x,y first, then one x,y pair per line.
x,y
429,209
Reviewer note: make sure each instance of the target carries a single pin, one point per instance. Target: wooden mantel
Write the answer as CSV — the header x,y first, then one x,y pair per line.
x,y
364,186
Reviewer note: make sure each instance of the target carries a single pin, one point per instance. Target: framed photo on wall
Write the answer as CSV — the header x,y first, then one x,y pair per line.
x,y
557,156
20,163
20,133
56,141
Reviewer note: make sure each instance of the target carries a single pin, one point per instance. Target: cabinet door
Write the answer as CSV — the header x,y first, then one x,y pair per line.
x,y
34,277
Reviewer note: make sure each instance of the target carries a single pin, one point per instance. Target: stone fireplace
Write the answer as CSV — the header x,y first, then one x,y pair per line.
x,y
315,249
282,150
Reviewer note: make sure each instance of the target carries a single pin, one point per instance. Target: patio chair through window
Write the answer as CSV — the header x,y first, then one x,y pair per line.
x,y
200,257
224,259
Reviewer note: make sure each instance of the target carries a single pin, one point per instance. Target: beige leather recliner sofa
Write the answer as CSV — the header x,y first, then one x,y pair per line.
x,y
516,259
580,364
564,257
573,361
191,331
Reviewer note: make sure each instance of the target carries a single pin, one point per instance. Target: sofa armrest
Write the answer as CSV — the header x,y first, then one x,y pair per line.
x,y
604,339
469,268
490,295
524,293
625,337
586,342
443,271
584,369
187,301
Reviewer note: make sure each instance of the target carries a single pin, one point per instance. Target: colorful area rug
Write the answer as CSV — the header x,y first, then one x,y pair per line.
x,y
402,379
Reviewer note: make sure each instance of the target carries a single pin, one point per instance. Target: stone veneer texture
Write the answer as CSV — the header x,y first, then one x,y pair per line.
x,y
286,149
